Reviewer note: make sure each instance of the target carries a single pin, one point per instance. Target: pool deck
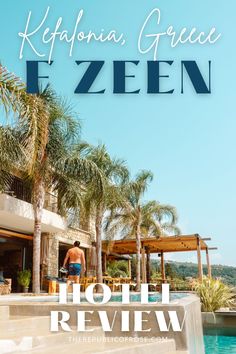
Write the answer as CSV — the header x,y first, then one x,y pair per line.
x,y
31,334
20,297
189,340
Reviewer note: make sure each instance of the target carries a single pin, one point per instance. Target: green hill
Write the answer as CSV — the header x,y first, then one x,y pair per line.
x,y
185,269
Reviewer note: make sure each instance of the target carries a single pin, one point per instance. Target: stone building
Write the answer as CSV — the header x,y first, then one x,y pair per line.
x,y
16,234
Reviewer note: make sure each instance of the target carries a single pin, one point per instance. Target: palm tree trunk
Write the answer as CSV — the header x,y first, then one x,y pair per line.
x,y
138,262
99,248
38,203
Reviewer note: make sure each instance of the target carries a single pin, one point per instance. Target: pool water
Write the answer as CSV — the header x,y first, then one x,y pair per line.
x,y
153,297
137,297
220,341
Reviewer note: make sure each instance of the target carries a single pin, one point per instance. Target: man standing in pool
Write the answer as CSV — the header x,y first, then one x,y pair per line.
x,y
76,259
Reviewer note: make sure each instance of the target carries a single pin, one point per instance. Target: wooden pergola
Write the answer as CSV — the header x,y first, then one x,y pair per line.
x,y
162,245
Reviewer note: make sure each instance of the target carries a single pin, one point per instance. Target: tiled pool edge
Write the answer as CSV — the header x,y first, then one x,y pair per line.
x,y
219,319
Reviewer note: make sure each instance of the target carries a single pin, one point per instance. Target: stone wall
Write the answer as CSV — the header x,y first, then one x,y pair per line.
x,y
67,237
51,266
87,222
72,235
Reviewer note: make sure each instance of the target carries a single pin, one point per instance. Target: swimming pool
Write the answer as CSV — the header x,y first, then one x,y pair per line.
x,y
137,297
134,297
220,341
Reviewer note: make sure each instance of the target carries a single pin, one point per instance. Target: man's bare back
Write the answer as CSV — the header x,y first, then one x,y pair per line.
x,y
75,255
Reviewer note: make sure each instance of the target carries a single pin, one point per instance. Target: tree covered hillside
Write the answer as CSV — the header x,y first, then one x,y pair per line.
x,y
185,269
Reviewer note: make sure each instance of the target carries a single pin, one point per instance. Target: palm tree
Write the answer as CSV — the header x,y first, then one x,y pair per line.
x,y
60,164
50,152
114,173
158,220
31,118
28,110
137,218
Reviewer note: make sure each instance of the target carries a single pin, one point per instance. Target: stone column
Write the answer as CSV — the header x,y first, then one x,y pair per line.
x,y
53,255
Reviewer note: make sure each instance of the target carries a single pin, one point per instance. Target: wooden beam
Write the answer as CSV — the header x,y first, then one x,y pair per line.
x,y
208,263
144,275
148,265
23,257
182,243
8,233
104,262
199,260
129,268
163,273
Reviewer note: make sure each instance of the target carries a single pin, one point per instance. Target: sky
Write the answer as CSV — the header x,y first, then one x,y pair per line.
x,y
187,140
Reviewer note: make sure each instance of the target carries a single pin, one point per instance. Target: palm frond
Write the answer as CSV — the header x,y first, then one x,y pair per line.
x,y
11,90
12,154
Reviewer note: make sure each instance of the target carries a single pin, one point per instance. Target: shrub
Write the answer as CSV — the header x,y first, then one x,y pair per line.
x,y
214,294
117,269
23,278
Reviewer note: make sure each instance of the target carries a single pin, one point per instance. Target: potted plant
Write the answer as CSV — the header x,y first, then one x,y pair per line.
x,y
23,278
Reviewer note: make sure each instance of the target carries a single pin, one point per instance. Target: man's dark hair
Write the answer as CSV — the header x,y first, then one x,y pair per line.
x,y
76,243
